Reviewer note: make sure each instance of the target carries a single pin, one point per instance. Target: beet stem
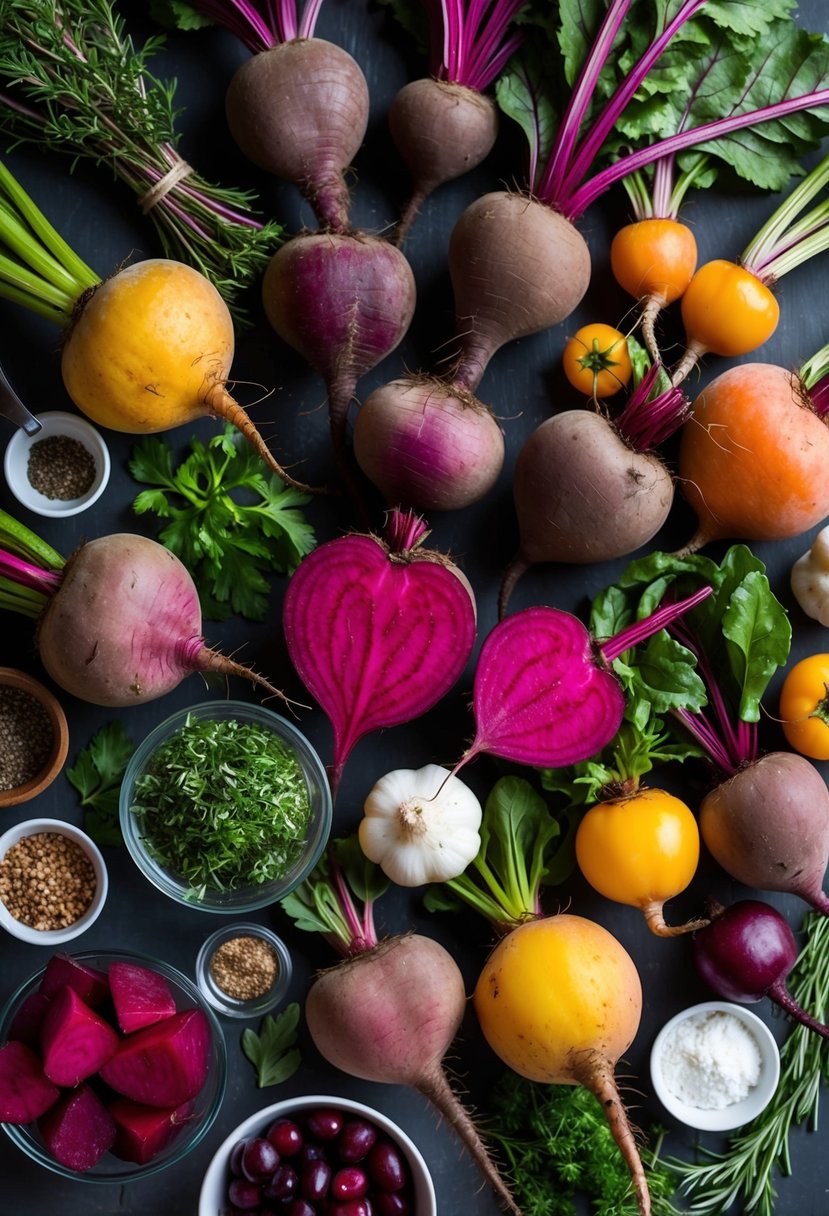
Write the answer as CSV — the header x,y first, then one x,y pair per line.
x,y
639,631
779,993
437,1090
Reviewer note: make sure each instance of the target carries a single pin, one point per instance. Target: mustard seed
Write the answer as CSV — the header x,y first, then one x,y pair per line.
x,y
244,967
60,467
47,881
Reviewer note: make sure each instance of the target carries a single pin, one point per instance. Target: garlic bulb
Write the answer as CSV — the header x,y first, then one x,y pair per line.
x,y
810,579
421,825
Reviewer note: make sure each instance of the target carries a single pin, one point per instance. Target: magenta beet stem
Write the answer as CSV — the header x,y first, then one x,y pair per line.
x,y
645,424
819,397
640,630
404,530
16,570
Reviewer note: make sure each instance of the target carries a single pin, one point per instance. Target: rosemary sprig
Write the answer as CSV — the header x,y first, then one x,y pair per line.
x,y
747,1172
78,84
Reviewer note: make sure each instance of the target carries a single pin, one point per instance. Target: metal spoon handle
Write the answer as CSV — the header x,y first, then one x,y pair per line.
x,y
14,409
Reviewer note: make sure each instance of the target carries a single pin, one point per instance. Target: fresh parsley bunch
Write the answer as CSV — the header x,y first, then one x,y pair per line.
x,y
96,775
231,522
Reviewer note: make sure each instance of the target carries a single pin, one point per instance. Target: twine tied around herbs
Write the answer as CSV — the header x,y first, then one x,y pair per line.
x,y
160,189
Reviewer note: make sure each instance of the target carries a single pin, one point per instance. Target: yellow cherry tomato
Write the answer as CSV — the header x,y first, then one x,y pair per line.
x,y
639,850
727,310
804,707
596,360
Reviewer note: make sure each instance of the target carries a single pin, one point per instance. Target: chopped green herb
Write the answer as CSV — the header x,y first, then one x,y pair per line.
x,y
223,804
272,1051
231,521
557,1144
96,775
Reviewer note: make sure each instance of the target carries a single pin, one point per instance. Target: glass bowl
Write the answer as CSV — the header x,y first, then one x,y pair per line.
x,y
241,1007
213,1196
111,1170
736,1114
238,899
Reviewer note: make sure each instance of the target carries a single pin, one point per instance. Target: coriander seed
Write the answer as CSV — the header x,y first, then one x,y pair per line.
x,y
245,967
60,467
47,881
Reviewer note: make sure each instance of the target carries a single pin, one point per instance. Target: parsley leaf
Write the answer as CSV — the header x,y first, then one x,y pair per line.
x,y
229,520
272,1051
96,775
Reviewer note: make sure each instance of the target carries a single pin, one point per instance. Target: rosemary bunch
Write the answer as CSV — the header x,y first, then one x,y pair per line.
x,y
746,1173
78,84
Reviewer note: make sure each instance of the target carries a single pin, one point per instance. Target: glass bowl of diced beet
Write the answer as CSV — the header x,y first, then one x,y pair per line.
x,y
318,1156
112,1066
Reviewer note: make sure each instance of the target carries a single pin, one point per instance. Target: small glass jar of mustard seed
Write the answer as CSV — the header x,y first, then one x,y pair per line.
x,y
244,970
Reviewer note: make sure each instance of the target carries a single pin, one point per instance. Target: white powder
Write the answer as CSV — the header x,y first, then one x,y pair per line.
x,y
711,1061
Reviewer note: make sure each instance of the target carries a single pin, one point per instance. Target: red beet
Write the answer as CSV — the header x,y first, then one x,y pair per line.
x,y
64,971
78,1130
143,1131
74,1040
25,1091
141,997
165,1064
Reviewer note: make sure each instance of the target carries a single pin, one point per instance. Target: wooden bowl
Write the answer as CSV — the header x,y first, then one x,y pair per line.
x,y
12,678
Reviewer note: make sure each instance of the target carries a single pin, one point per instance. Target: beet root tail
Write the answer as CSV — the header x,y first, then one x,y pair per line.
x,y
597,1076
206,661
513,572
222,405
439,1092
655,918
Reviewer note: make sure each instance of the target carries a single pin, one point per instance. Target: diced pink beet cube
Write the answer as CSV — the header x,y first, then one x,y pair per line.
x,y
164,1064
74,1039
78,1130
26,1023
64,971
26,1092
143,1131
141,997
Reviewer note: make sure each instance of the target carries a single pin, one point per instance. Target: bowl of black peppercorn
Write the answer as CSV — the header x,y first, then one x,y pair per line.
x,y
62,469
34,737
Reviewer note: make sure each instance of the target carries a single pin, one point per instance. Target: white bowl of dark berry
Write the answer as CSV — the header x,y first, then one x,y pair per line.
x,y
315,1155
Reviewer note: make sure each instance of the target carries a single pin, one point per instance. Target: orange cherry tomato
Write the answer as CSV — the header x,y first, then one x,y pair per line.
x,y
596,360
804,707
654,257
727,310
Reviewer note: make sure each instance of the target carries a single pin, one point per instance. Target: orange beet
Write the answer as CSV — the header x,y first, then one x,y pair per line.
x,y
753,457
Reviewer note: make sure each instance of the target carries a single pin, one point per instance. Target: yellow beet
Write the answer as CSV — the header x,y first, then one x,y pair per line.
x,y
641,850
559,1001
151,349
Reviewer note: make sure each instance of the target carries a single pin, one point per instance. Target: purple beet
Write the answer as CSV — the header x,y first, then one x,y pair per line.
x,y
746,953
78,1130
26,1092
143,1131
141,996
27,1021
343,302
64,971
74,1039
165,1064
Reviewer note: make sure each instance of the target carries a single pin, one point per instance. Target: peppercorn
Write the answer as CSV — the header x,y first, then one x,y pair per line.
x,y
60,467
26,737
245,967
47,881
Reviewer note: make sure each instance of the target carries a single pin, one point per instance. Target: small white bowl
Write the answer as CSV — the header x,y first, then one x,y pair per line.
x,y
213,1200
738,1113
16,464
55,937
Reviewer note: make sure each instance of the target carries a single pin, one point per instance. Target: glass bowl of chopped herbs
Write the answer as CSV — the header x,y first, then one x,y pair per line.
x,y
225,807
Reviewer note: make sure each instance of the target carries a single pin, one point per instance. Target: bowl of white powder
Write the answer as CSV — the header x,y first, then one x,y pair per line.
x,y
715,1066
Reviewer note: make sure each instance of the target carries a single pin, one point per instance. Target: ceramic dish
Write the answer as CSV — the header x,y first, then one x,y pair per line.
x,y
55,937
213,1197
16,464
738,1113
